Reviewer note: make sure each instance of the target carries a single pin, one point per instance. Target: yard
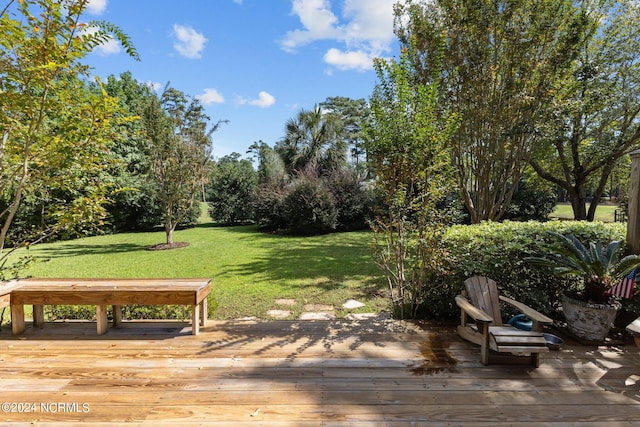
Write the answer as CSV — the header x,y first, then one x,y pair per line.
x,y
605,212
360,369
251,271
545,70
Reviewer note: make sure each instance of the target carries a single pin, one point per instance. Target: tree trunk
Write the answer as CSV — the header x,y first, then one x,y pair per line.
x,y
578,200
169,224
597,195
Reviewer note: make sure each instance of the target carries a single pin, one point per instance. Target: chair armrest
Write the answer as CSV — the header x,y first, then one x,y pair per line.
x,y
634,327
472,311
528,311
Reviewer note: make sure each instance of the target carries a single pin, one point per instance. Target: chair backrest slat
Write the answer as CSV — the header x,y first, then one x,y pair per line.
x,y
483,293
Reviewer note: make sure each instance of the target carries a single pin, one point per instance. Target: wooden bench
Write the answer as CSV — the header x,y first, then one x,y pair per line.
x,y
5,293
104,292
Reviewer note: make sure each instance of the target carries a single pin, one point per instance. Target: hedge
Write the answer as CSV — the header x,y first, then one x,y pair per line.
x,y
498,250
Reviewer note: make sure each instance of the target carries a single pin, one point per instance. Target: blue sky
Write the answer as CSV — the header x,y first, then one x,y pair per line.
x,y
255,63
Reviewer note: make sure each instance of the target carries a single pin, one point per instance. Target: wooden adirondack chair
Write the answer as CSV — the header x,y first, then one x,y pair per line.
x,y
634,329
488,330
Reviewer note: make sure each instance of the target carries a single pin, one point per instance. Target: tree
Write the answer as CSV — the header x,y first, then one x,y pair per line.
x,y
133,206
231,189
179,148
271,168
501,62
596,114
53,130
353,113
313,140
407,143
305,183
62,198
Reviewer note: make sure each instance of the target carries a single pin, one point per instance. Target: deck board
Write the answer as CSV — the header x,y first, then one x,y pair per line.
x,y
305,373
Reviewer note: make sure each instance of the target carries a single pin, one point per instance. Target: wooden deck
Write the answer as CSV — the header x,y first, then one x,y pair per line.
x,y
303,373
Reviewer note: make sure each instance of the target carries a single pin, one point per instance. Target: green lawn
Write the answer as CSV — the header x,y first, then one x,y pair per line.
x,y
250,269
604,213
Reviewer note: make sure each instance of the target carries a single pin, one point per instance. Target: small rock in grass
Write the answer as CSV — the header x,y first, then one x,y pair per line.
x,y
317,316
279,313
351,303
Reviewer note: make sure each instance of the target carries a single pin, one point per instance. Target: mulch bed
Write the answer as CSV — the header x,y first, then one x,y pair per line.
x,y
166,246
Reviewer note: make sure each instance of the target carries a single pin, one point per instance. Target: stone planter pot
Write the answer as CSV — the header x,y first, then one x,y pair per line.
x,y
591,322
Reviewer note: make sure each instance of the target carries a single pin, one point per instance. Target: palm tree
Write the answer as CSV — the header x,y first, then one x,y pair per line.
x,y
314,140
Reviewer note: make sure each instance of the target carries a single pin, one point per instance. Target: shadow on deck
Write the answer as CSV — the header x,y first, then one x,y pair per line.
x,y
303,373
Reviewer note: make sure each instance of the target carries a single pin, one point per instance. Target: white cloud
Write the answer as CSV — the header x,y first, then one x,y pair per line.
x,y
96,7
111,47
237,1
318,21
353,60
210,96
364,31
264,100
190,43
370,23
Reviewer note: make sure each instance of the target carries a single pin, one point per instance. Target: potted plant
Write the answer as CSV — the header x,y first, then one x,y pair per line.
x,y
590,309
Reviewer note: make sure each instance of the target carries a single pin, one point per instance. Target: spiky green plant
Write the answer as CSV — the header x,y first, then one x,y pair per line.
x,y
598,266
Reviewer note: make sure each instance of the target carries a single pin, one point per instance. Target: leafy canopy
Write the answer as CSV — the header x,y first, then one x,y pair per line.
x,y
54,129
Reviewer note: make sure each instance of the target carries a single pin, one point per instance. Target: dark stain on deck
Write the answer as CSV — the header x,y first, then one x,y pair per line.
x,y
436,357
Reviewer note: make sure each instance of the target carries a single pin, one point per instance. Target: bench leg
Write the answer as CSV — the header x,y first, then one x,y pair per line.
x,y
203,312
117,315
101,318
17,319
38,316
195,319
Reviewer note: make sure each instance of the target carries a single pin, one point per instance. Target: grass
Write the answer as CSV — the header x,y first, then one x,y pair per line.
x,y
250,269
604,212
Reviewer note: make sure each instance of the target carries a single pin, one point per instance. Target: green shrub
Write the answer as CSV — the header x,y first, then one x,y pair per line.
x,y
72,312
137,209
531,202
310,204
354,203
129,312
498,250
267,206
231,187
309,207
134,209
